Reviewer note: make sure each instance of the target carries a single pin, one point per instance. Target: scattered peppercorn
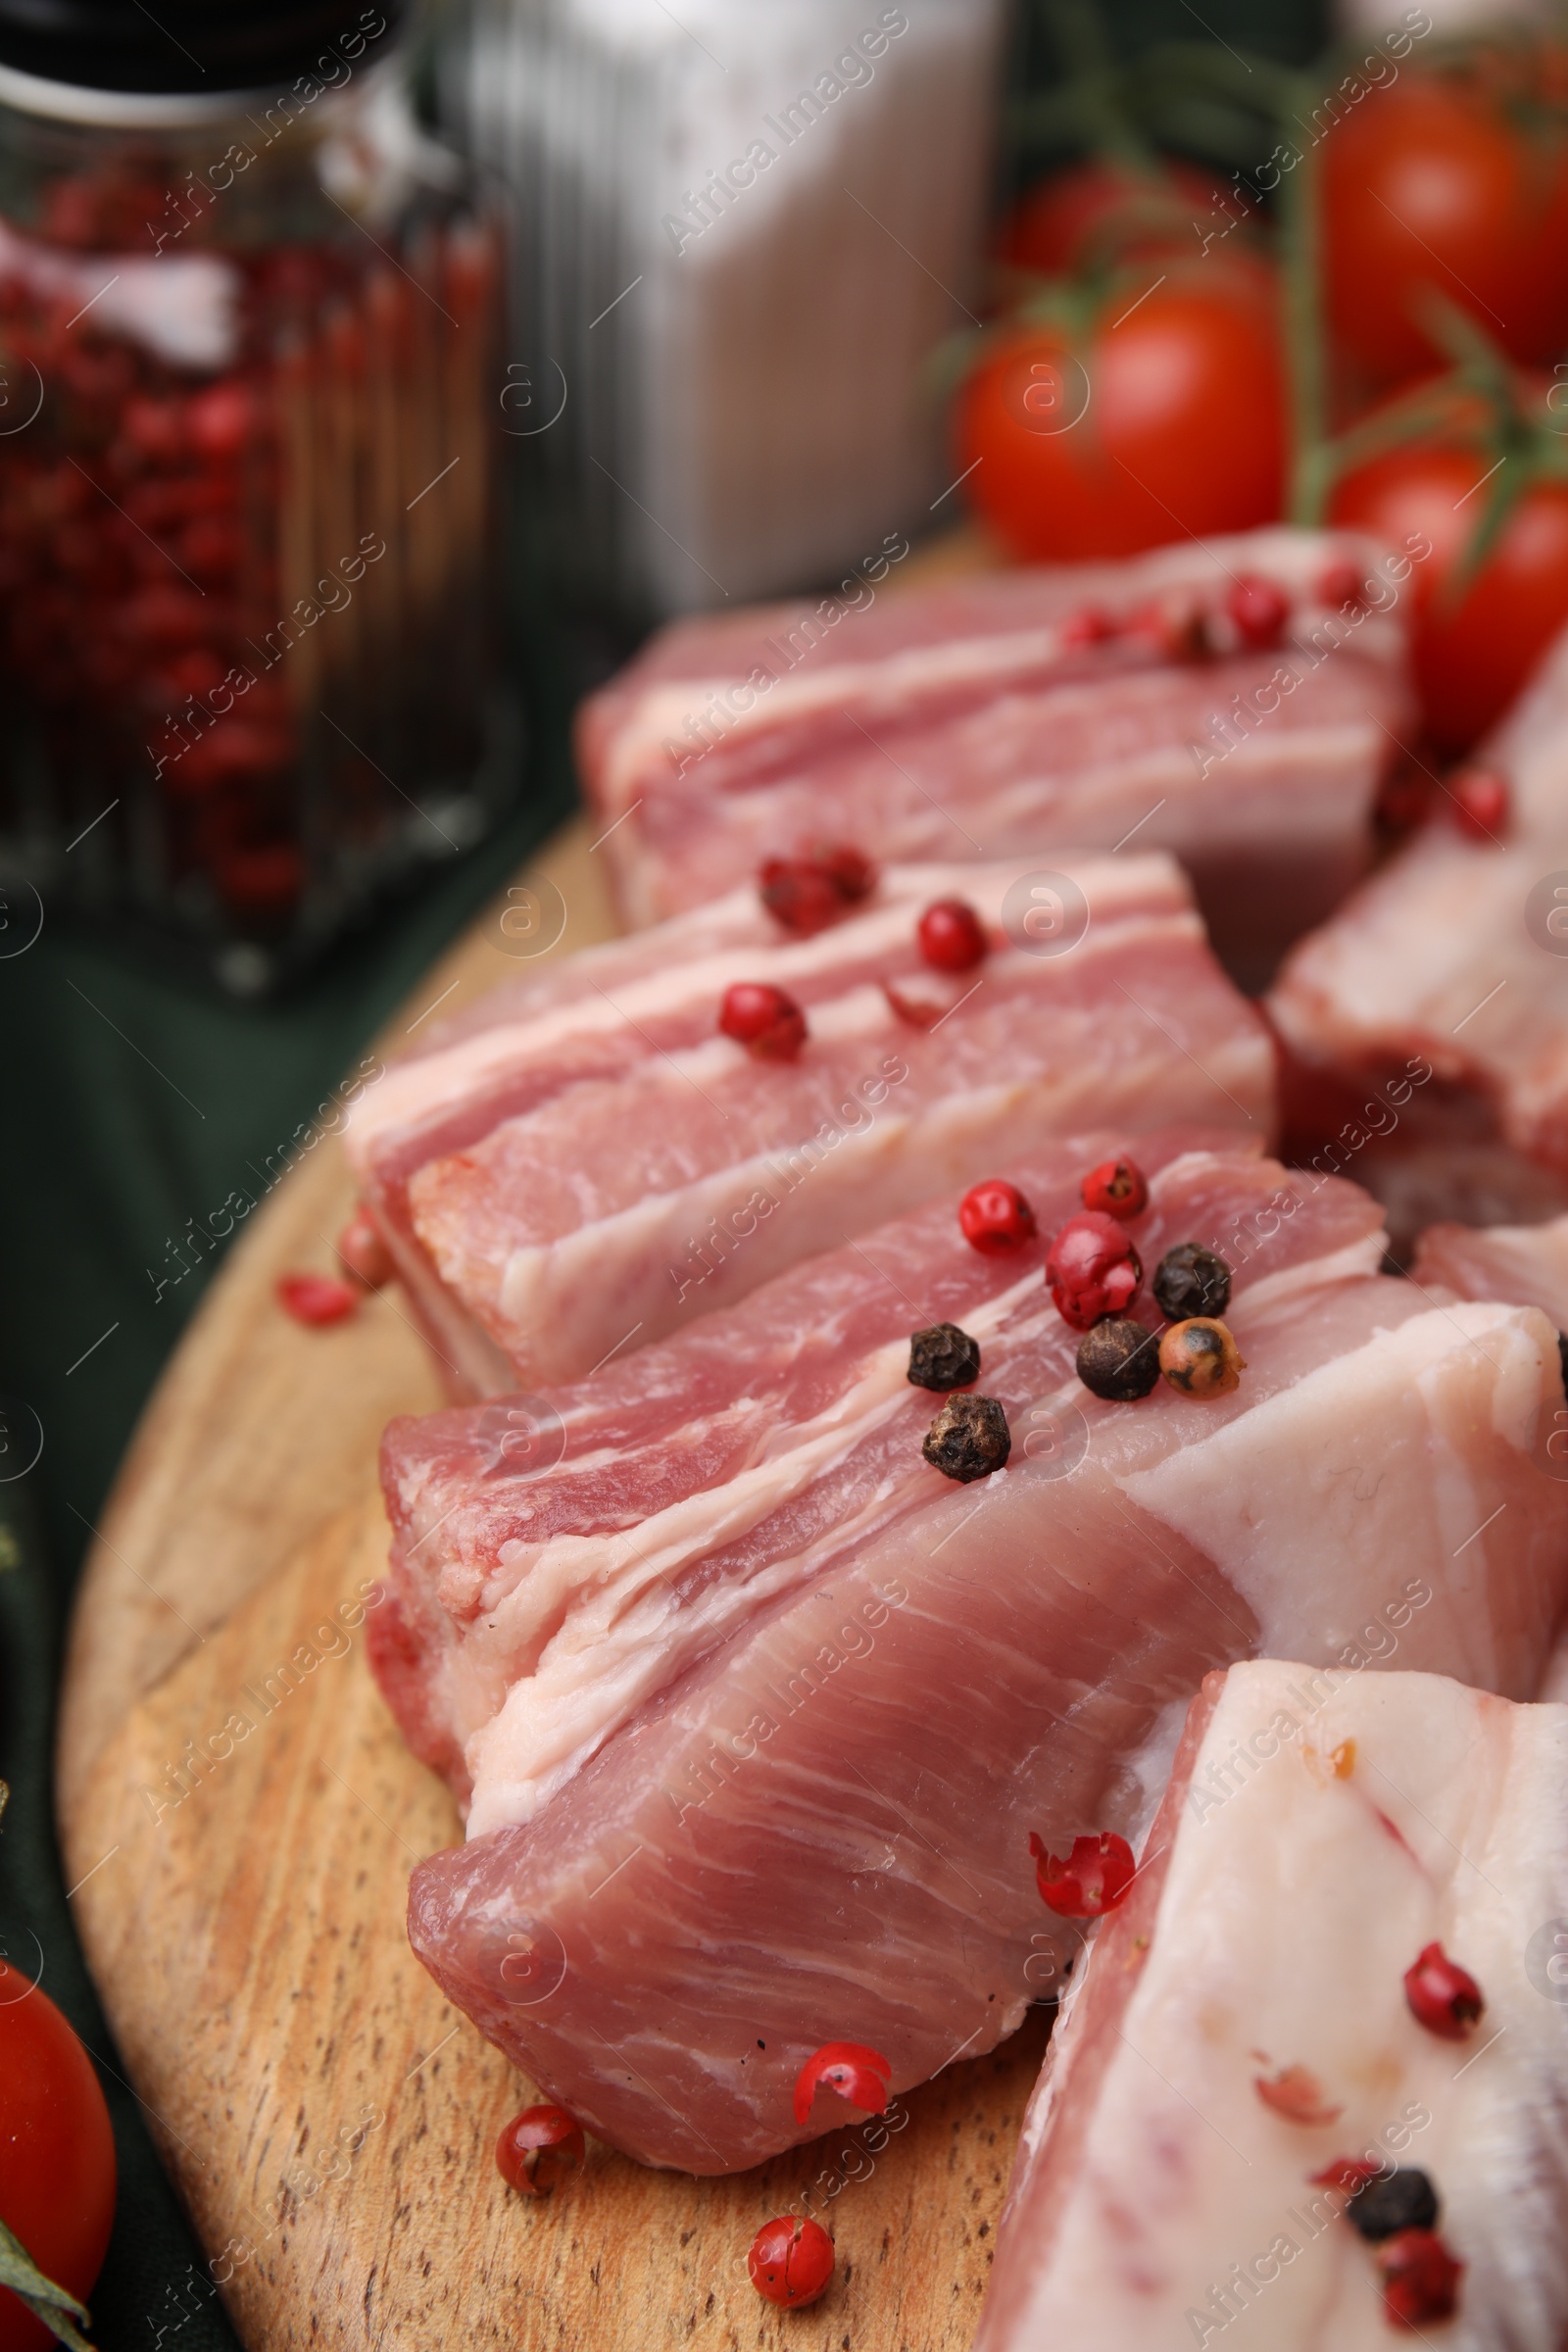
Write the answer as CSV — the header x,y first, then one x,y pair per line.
x,y
1340,587
969,1439
951,936
1257,610
1116,1189
763,1019
943,1357
807,893
1481,805
858,2073
853,874
1118,1360
1189,1281
1420,2279
995,1217
1201,1358
1350,2173
799,894
1093,1879
1093,1269
1090,624
1297,2094
538,2135
316,1299
1442,1997
790,2261
361,1253
1389,2202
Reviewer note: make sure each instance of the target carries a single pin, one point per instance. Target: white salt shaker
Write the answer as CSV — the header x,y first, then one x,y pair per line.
x,y
743,227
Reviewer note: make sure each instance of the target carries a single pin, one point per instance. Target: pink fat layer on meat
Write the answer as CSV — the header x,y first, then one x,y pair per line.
x,y
1062,2106
819,1827
472,1494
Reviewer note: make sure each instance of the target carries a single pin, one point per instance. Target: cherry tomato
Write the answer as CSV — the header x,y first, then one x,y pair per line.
x,y
56,2154
1472,656
1099,210
1436,181
1168,417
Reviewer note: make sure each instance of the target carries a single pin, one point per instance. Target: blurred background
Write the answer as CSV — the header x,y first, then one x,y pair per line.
x,y
373,379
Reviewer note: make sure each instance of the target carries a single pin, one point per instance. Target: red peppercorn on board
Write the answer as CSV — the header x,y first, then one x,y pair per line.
x,y
329,2118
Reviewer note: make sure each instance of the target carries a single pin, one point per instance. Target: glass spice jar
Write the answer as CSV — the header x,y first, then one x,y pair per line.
x,y
250,657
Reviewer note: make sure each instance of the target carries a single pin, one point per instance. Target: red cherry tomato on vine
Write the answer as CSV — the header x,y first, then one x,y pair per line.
x,y
1444,183
1473,656
1097,209
1168,417
56,2154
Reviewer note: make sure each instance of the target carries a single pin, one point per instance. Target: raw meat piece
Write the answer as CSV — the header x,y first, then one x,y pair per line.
x,y
1459,952
494,1508
974,719
770,1784
1318,1833
594,1176
1526,1264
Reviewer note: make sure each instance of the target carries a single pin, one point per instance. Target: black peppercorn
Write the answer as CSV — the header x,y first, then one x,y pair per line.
x,y
1392,2202
943,1358
969,1439
1118,1358
1191,1280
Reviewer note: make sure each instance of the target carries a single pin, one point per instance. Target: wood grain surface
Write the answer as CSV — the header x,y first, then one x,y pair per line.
x,y
240,1817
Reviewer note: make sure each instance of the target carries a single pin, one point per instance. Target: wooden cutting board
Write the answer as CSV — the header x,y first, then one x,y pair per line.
x,y
328,2117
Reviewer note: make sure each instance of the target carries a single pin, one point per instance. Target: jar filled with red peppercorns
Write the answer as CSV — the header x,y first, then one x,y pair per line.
x,y
249,646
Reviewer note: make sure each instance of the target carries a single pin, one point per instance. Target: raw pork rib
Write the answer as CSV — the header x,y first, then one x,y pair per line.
x,y
779,1718
591,1174
1019,713
1318,1834
1458,951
